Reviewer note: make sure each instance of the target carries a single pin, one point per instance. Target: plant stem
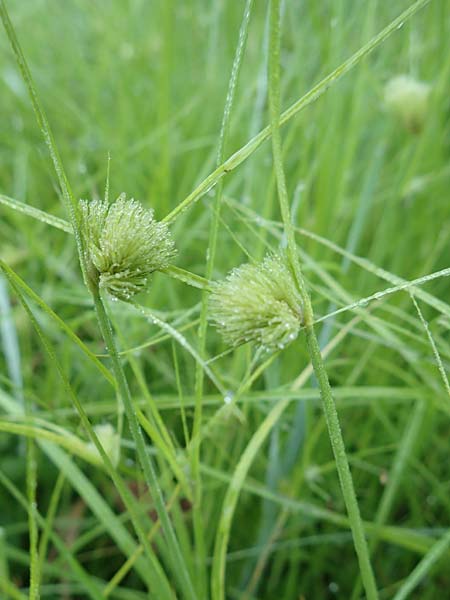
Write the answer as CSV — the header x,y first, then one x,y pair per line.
x,y
156,577
31,481
178,563
331,416
343,469
198,518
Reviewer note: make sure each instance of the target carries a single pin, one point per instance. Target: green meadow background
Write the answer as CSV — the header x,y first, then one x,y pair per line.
x,y
145,83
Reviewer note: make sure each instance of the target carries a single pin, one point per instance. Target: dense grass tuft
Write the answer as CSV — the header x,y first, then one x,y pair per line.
x,y
143,454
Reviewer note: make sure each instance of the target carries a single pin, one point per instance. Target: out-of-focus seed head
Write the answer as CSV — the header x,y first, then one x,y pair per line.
x,y
110,440
257,303
123,245
407,99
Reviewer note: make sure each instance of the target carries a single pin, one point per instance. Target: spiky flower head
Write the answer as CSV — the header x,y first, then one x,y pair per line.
x,y
407,99
258,303
123,245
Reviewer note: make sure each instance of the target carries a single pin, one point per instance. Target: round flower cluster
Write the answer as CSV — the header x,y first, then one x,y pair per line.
x,y
110,440
123,245
407,99
257,303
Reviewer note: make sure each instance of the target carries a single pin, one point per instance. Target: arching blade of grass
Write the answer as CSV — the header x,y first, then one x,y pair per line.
x,y
155,576
178,564
44,217
318,90
403,455
435,554
240,472
329,408
68,441
362,262
10,342
210,261
407,285
36,213
419,543
86,580
25,289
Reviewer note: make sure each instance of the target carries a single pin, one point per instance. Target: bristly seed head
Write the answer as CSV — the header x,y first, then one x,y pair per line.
x,y
123,245
258,303
407,99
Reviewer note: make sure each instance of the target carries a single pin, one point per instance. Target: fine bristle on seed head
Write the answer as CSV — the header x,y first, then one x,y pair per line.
x,y
257,303
124,244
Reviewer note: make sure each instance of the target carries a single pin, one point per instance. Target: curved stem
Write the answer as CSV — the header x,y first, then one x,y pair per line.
x,y
178,562
328,404
198,518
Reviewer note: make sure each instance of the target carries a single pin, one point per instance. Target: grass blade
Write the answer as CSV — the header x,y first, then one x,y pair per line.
x,y
316,92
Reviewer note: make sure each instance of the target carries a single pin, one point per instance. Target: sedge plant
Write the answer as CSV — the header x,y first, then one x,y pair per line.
x,y
264,304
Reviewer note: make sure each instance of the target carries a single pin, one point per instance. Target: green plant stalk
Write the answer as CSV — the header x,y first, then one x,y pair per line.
x,y
128,564
311,96
50,518
237,479
404,453
155,426
156,569
105,326
69,199
178,563
328,404
11,590
87,581
422,569
31,483
364,263
198,518
4,565
343,469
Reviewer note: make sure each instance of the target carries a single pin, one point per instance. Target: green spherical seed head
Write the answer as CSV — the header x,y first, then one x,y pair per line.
x,y
408,99
123,245
110,440
257,303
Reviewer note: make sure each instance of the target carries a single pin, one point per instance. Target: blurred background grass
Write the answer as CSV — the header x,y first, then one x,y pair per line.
x,y
146,82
